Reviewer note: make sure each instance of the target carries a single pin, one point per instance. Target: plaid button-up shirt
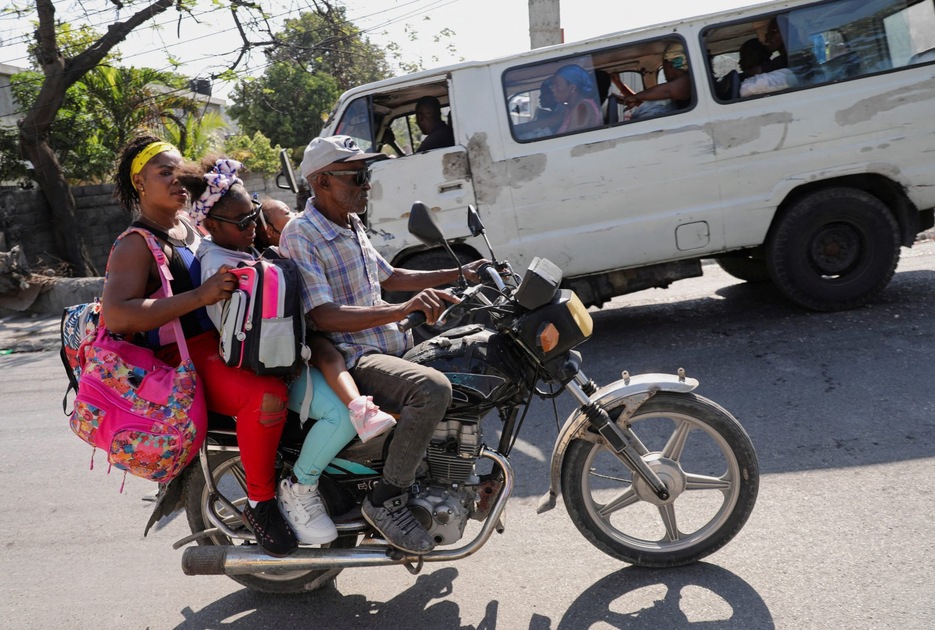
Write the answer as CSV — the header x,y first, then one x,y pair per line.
x,y
340,265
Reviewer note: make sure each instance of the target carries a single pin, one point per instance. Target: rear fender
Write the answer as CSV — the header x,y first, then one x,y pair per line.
x,y
631,392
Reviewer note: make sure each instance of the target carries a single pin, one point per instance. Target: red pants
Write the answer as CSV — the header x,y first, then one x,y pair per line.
x,y
234,392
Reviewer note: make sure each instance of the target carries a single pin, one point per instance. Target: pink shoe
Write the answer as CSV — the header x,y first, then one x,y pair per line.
x,y
368,420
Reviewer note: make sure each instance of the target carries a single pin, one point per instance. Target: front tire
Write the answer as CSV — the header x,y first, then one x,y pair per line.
x,y
834,249
708,463
230,480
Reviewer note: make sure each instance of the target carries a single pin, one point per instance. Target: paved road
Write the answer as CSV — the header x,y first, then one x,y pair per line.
x,y
837,404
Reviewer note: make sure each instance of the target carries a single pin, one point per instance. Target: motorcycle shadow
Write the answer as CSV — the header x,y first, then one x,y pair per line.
x,y
423,605
697,596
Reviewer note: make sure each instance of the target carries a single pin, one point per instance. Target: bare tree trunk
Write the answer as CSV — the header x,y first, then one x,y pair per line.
x,y
60,73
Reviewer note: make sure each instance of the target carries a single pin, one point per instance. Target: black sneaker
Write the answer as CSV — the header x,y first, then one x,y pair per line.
x,y
396,523
273,534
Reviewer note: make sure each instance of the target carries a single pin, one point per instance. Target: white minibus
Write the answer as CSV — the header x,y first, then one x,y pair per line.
x,y
797,145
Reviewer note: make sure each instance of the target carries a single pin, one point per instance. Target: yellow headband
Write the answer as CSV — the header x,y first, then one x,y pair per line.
x,y
144,156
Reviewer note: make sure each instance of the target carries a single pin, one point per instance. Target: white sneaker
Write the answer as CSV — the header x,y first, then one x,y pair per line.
x,y
368,419
303,509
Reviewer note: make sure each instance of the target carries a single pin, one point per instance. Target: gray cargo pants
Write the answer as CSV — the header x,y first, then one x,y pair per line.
x,y
420,394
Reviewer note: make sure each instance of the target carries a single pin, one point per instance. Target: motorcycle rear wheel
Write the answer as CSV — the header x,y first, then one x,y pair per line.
x,y
707,461
230,480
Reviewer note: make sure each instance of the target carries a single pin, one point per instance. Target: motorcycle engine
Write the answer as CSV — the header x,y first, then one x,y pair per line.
x,y
443,502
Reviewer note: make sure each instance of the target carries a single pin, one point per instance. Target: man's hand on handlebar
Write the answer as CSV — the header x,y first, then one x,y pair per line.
x,y
471,270
432,302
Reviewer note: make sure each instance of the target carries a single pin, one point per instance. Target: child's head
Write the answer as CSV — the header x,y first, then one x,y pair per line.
x,y
221,203
275,216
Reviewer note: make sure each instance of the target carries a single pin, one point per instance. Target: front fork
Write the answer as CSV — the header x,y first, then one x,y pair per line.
x,y
622,442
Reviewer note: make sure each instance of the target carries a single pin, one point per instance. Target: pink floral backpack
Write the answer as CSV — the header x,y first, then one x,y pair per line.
x,y
149,417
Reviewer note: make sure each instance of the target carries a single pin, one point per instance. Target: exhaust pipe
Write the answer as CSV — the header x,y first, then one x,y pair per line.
x,y
244,560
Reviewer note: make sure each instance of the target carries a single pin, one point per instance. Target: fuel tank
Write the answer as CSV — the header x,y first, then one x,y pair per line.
x,y
484,369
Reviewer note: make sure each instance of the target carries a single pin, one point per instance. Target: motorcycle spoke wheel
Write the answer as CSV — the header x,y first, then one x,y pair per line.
x,y
705,459
230,480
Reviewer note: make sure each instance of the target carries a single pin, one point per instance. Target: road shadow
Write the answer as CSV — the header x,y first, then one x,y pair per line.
x,y
813,390
698,596
636,598
810,388
426,604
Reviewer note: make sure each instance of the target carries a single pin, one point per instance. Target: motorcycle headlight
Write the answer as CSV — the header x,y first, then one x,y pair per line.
x,y
556,327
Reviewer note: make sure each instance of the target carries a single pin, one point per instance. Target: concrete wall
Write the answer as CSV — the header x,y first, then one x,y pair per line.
x,y
25,220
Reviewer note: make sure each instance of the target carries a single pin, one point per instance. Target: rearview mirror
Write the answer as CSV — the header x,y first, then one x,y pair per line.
x,y
423,226
286,173
474,222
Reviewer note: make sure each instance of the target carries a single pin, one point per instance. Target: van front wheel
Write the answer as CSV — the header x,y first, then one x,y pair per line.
x,y
833,250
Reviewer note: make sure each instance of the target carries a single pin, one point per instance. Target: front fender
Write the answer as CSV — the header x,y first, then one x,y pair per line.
x,y
610,396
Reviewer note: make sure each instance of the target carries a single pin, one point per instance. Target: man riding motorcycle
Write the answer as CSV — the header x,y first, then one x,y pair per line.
x,y
342,277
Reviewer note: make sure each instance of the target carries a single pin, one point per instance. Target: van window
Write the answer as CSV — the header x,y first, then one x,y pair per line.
x,y
818,44
386,121
587,92
356,122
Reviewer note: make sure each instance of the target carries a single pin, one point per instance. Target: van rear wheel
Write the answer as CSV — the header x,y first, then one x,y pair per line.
x,y
834,249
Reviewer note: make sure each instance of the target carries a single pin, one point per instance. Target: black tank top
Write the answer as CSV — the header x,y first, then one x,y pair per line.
x,y
186,276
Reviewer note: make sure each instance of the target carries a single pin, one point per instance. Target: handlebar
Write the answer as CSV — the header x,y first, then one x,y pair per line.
x,y
410,321
494,275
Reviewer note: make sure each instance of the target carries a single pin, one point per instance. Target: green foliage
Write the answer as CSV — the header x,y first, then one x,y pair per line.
x,y
316,57
104,110
287,104
256,153
76,135
325,42
196,133
12,166
71,41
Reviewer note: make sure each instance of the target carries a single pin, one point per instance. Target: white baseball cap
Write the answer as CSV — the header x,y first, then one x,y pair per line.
x,y
322,152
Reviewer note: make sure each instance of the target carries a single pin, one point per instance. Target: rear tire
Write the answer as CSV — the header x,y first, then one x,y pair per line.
x,y
834,249
708,463
229,477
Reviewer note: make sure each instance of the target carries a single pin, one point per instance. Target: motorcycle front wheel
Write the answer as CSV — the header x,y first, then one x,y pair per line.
x,y
707,462
230,481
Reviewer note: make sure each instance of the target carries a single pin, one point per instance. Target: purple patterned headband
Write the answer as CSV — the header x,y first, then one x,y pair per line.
x,y
220,179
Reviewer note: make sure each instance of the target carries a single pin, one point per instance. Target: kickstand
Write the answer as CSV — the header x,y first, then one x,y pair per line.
x,y
414,570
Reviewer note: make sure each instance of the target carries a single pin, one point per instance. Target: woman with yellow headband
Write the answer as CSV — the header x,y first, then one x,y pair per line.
x,y
147,183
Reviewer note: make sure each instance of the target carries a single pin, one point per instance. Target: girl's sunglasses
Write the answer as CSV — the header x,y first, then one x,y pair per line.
x,y
361,176
241,224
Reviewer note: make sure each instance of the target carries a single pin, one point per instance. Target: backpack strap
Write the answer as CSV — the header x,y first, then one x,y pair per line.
x,y
165,277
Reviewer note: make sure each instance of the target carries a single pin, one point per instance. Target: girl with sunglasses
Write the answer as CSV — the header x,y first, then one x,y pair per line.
x,y
230,216
150,181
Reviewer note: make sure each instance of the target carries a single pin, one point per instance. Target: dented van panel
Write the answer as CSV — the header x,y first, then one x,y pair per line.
x,y
560,164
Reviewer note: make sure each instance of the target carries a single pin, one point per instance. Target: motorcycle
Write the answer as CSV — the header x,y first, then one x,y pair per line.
x,y
650,472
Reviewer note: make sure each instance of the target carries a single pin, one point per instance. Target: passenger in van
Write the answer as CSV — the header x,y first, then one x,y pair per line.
x,y
776,56
547,118
753,57
673,95
549,109
438,134
574,86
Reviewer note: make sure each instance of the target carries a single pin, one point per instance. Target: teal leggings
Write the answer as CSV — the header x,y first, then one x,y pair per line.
x,y
332,431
